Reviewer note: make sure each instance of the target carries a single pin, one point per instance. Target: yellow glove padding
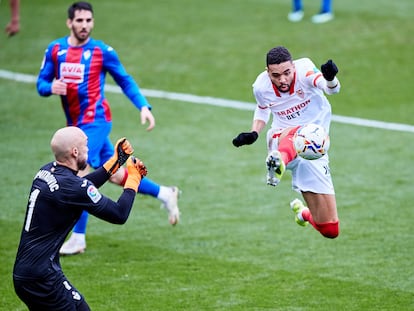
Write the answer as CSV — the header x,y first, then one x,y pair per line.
x,y
123,149
136,170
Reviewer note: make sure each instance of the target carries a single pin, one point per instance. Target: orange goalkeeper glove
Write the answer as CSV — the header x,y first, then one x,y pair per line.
x,y
136,170
123,149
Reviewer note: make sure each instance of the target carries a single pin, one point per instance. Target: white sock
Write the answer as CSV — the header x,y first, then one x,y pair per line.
x,y
164,194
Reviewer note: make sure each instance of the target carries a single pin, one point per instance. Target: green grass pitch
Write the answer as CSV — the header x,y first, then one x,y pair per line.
x,y
237,246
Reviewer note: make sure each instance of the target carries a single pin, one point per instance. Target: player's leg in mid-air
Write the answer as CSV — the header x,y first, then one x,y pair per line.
x,y
313,179
280,153
310,177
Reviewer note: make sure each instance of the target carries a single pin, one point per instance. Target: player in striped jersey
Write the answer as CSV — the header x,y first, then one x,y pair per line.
x,y
75,67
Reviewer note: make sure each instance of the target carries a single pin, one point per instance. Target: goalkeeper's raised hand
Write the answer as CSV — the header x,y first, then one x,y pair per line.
x,y
329,70
123,149
136,170
246,138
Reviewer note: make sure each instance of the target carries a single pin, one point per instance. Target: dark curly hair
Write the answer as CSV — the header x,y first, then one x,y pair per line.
x,y
77,6
278,55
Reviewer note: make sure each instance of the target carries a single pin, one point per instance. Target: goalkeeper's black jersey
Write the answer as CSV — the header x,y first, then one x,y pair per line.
x,y
56,200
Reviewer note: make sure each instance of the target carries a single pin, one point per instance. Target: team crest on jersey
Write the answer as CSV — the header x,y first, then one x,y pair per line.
x,y
87,54
72,72
300,93
93,194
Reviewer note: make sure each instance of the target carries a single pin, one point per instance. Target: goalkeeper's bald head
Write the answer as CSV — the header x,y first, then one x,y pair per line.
x,y
69,145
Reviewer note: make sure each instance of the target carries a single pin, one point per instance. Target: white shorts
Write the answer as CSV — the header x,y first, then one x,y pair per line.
x,y
307,175
311,175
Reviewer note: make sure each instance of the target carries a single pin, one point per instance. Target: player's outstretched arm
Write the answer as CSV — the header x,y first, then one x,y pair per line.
x,y
118,212
245,138
146,115
329,72
248,138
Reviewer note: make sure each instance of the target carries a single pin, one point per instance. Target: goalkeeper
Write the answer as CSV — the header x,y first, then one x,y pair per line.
x,y
58,197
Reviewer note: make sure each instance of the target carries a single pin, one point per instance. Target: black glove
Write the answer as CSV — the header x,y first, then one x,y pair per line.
x,y
247,138
329,70
123,149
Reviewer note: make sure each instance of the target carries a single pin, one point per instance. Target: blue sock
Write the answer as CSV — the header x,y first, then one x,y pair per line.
x,y
80,226
326,6
297,5
147,186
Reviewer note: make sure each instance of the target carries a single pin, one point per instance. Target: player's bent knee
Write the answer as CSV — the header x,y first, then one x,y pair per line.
x,y
329,229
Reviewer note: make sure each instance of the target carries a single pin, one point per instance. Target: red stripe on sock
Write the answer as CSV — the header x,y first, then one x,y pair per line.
x,y
327,229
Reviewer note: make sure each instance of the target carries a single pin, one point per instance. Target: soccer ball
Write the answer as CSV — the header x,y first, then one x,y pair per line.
x,y
311,141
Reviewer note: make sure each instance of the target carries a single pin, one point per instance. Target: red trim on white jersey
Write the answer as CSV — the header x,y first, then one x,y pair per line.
x,y
304,103
316,78
291,89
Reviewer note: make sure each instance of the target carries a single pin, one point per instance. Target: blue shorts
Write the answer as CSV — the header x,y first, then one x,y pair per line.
x,y
99,144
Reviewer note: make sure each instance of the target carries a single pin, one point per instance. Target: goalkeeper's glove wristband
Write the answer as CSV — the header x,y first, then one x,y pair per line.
x,y
136,170
123,150
246,138
329,70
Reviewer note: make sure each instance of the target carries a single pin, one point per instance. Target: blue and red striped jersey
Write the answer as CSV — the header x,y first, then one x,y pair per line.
x,y
84,69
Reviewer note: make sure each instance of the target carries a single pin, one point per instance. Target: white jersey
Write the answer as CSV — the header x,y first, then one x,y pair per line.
x,y
304,103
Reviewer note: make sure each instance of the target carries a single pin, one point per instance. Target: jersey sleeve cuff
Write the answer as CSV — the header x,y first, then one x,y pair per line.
x,y
332,84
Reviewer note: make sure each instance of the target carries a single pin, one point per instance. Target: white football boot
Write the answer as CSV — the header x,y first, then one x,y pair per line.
x,y
275,168
76,244
322,18
296,16
171,205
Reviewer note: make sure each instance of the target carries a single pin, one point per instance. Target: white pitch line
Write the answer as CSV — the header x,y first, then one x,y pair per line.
x,y
220,102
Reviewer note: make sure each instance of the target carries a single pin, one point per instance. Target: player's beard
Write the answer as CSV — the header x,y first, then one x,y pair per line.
x,y
284,90
82,35
82,164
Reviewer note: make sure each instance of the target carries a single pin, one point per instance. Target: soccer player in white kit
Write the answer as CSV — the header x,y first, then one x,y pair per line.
x,y
293,92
